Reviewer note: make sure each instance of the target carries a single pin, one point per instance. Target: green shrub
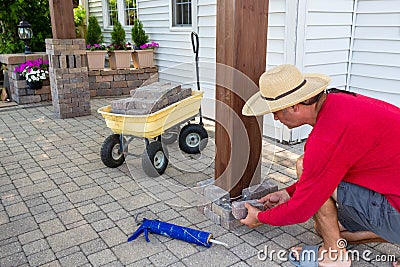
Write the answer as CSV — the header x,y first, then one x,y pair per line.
x,y
139,36
118,36
80,21
37,13
93,35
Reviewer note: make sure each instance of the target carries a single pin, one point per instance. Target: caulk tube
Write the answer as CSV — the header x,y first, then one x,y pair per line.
x,y
174,231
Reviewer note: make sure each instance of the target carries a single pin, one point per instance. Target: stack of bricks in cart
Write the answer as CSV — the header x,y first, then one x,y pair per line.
x,y
149,99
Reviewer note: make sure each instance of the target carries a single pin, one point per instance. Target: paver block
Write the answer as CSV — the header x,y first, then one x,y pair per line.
x,y
230,224
212,216
150,98
259,190
224,211
239,211
216,194
203,184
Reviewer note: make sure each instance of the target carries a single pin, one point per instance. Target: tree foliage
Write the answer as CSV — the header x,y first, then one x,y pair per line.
x,y
139,36
118,35
93,35
36,12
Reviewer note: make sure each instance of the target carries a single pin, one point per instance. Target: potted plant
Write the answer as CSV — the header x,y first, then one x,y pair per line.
x,y
34,71
95,56
119,52
143,56
96,52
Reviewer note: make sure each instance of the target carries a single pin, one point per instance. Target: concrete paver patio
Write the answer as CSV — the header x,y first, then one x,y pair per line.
x,y
61,206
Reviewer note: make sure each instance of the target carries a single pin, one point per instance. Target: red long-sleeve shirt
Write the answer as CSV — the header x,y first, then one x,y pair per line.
x,y
354,139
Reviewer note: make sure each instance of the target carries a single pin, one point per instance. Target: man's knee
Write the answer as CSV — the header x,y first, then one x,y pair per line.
x,y
299,166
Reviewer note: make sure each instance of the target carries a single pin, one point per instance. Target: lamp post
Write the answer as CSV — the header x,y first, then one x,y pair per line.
x,y
25,34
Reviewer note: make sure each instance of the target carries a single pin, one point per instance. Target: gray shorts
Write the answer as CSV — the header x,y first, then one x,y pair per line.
x,y
361,209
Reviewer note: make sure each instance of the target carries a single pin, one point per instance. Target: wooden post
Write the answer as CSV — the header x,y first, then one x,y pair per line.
x,y
241,59
62,19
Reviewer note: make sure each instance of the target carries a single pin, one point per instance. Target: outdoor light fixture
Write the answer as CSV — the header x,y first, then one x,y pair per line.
x,y
25,34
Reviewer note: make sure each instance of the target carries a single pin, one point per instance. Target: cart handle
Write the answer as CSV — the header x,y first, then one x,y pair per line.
x,y
195,44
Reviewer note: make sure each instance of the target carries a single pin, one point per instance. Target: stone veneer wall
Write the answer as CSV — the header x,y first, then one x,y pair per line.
x,y
109,82
20,92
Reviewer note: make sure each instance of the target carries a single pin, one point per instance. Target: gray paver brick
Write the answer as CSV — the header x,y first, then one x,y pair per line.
x,y
93,246
244,251
135,202
16,209
118,214
9,249
30,236
45,216
4,218
16,259
67,252
89,208
168,215
70,216
103,225
254,238
102,257
52,227
76,259
36,246
113,236
165,258
220,257
180,249
95,216
16,228
41,258
136,250
71,238
86,194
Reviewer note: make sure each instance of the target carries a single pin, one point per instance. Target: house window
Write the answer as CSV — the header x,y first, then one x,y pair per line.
x,y
130,12
112,11
123,10
181,13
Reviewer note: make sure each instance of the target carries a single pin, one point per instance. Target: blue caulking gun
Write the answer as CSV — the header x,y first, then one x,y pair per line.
x,y
174,231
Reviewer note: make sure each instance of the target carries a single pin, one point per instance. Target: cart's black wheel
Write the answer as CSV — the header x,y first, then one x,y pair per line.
x,y
169,137
110,151
193,138
155,159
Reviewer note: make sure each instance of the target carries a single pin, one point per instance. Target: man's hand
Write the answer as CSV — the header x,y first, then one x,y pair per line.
x,y
251,220
275,199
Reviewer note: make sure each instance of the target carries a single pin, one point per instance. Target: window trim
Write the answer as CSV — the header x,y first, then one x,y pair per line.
x,y
173,28
121,14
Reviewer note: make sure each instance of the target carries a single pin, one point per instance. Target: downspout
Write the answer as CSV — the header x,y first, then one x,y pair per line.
x,y
352,37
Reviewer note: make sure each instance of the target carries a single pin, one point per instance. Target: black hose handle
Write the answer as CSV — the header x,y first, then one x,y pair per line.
x,y
195,44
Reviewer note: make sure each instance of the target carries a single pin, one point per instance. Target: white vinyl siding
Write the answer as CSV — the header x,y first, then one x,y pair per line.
x,y
207,31
96,10
324,38
375,62
282,15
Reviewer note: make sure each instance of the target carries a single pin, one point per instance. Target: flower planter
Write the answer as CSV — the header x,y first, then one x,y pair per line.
x,y
96,59
120,59
143,58
34,85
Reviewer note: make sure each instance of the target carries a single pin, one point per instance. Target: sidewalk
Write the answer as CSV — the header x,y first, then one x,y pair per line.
x,y
61,206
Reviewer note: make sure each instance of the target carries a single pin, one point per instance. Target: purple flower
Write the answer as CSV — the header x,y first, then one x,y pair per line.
x,y
151,45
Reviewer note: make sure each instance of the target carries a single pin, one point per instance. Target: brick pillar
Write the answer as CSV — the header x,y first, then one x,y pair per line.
x,y
68,77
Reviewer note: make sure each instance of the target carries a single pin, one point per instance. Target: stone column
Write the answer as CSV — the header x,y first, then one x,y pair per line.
x,y
69,79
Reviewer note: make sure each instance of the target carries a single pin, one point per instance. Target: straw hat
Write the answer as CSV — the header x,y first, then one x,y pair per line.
x,y
282,87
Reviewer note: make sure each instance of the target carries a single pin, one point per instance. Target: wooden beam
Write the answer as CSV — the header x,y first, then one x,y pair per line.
x,y
62,19
241,59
